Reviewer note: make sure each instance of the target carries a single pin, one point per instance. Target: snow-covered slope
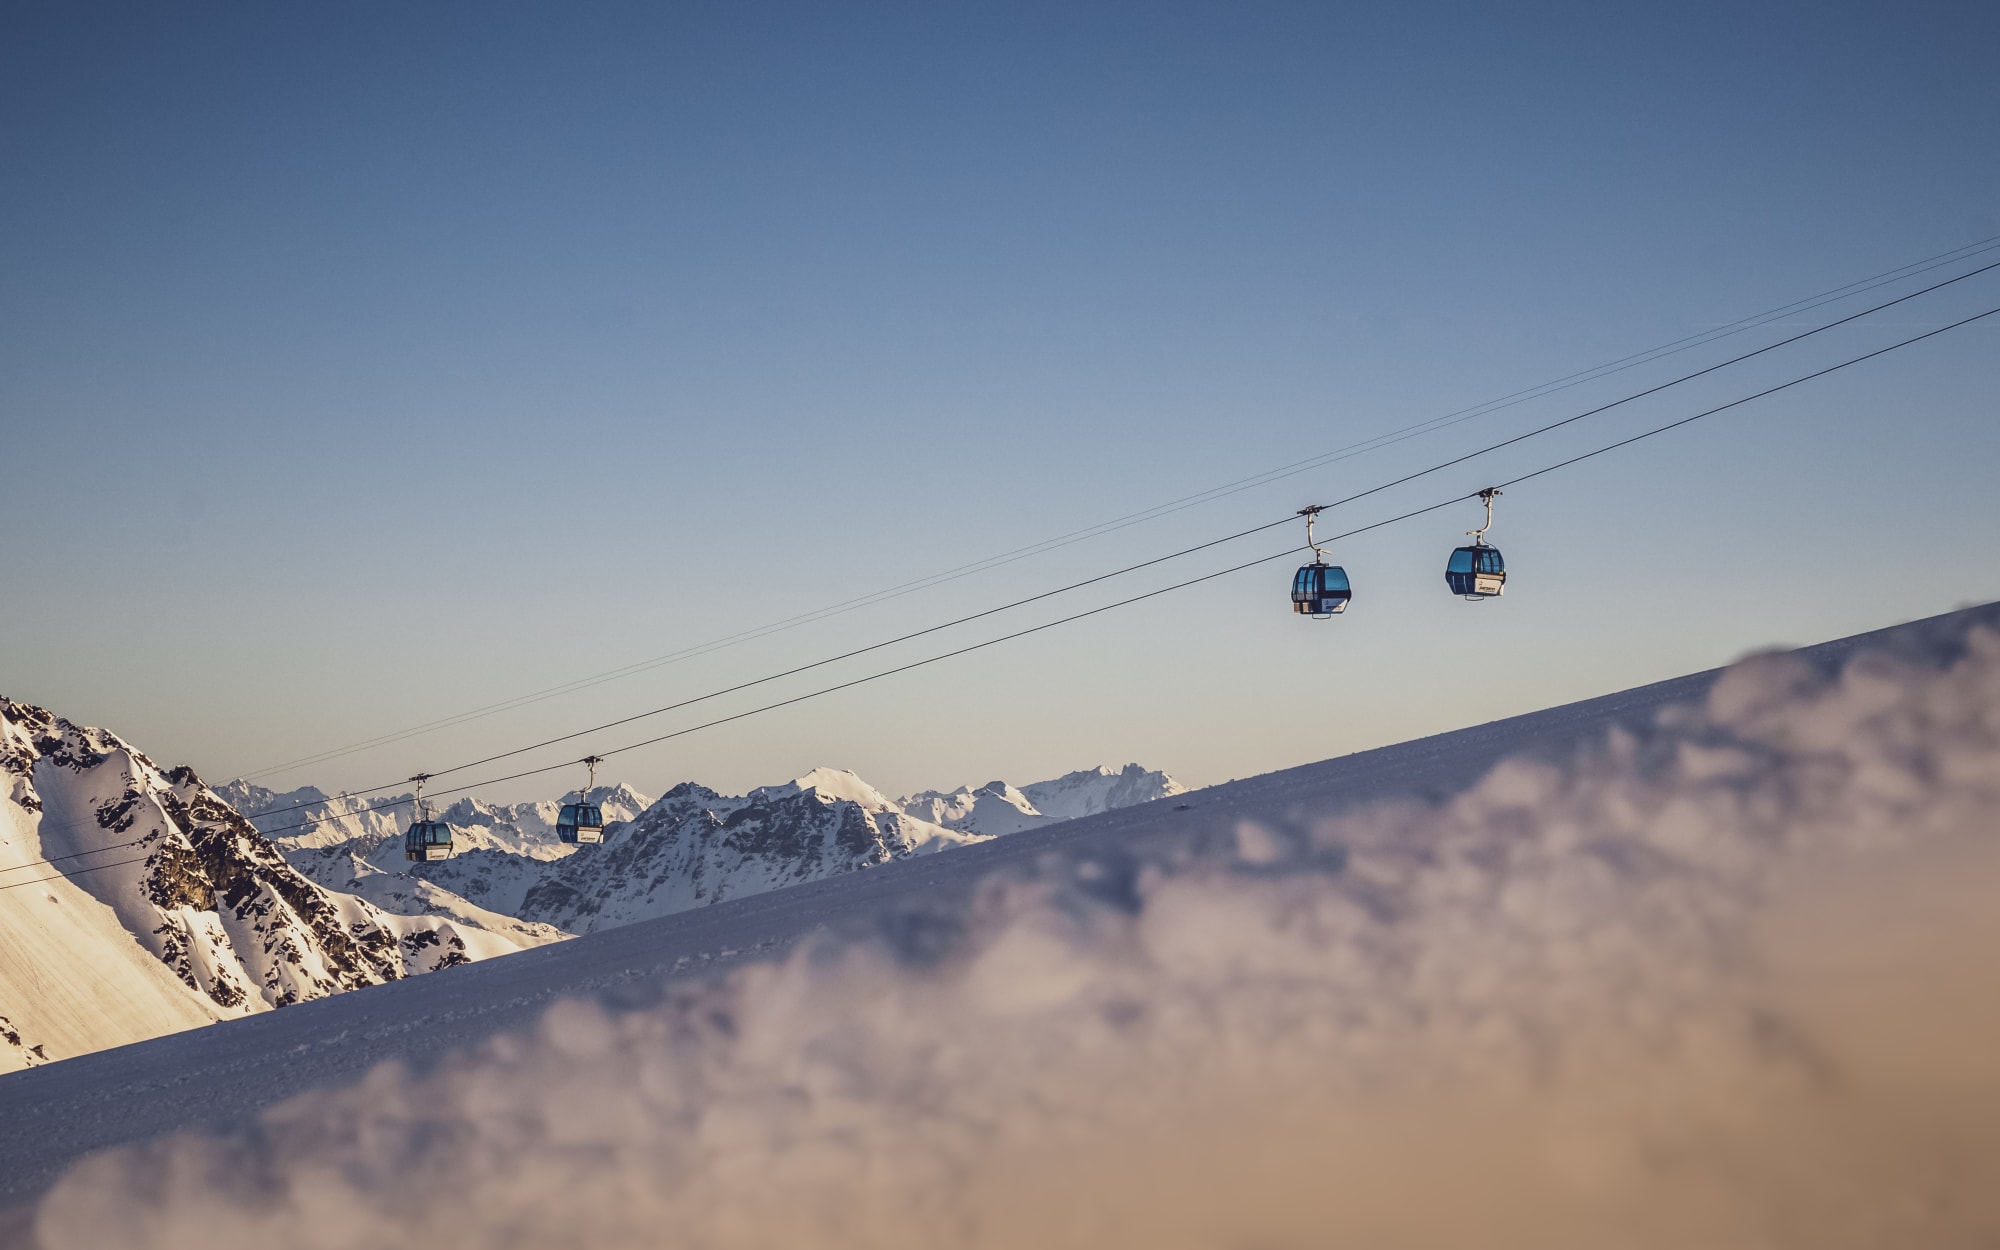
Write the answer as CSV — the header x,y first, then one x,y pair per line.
x,y
72,980
404,890
1706,963
138,902
494,880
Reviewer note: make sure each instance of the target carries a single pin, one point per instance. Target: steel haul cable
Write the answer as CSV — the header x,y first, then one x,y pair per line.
x,y
65,876
1858,286
1195,581
57,859
1144,564
1160,559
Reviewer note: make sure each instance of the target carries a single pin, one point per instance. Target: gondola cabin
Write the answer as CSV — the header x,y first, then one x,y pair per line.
x,y
1476,572
426,840
580,822
1321,590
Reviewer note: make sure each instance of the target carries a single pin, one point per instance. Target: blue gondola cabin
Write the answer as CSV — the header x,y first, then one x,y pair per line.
x,y
580,822
427,840
1321,590
1476,572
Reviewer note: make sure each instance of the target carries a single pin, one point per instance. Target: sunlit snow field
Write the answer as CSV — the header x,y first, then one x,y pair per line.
x,y
1732,979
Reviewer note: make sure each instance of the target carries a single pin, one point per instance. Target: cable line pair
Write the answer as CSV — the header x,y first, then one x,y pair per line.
x,y
1322,591
429,838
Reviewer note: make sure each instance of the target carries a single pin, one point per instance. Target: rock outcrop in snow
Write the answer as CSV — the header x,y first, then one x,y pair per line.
x,y
134,901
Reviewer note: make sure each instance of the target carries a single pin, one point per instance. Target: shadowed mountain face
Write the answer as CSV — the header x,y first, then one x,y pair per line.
x,y
695,847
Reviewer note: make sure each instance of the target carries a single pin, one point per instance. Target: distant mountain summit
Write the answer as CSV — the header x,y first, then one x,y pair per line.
x,y
695,847
308,819
997,808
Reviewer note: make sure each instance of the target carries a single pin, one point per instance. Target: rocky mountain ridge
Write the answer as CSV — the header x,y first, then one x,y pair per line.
x,y
134,900
695,846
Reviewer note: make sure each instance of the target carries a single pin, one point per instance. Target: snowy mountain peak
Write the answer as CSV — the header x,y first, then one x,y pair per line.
x,y
696,847
309,818
994,808
831,784
999,808
1094,790
251,799
627,801
685,793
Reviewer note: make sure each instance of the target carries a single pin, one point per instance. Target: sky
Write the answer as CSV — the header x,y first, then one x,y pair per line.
x,y
363,366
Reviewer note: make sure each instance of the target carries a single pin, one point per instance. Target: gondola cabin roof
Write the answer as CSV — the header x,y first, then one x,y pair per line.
x,y
1479,559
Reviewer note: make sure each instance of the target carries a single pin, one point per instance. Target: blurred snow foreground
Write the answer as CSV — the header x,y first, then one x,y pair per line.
x,y
1730,981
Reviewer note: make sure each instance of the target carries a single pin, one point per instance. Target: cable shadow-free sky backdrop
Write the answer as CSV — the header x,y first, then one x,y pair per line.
x,y
363,366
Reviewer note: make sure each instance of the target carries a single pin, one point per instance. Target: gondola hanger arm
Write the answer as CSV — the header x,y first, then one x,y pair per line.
x,y
1478,536
1309,512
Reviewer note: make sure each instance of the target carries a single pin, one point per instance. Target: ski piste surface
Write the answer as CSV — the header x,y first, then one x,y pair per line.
x,y
223,1073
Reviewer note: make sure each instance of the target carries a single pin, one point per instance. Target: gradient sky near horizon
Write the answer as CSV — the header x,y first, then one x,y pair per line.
x,y
361,365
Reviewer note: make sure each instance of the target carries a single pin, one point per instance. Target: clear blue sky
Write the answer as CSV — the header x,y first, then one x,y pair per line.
x,y
361,364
